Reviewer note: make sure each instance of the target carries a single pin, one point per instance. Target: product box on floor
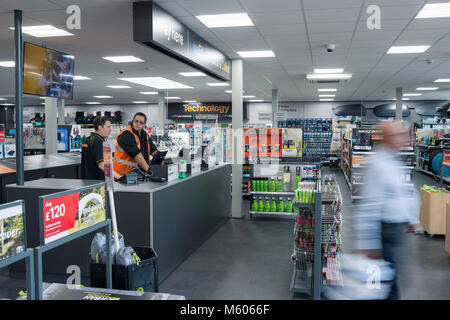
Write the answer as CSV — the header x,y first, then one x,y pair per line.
x,y
433,210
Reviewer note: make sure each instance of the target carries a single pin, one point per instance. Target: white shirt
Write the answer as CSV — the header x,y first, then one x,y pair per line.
x,y
386,198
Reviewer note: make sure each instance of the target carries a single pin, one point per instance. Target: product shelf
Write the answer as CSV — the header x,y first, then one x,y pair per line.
x,y
265,213
292,193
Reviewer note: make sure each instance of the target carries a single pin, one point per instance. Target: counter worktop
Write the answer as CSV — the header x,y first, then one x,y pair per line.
x,y
40,161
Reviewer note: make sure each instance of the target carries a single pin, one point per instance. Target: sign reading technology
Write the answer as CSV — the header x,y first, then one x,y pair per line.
x,y
188,110
156,28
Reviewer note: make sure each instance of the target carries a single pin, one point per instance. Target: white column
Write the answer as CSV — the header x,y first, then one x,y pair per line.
x,y
399,104
161,110
274,107
61,110
237,86
51,126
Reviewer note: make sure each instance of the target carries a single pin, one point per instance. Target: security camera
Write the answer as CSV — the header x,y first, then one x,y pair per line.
x,y
331,47
430,61
121,72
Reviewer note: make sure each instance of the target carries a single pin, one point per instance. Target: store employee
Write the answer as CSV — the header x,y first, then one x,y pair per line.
x,y
133,147
92,164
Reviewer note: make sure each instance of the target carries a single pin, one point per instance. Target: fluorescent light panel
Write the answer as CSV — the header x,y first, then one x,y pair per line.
x,y
140,102
81,78
92,102
149,92
327,95
442,80
157,82
168,98
192,74
427,88
407,49
118,87
218,84
328,70
256,54
412,94
434,10
7,64
327,90
3,99
226,20
326,99
190,101
230,91
328,76
256,100
103,97
123,59
247,97
44,31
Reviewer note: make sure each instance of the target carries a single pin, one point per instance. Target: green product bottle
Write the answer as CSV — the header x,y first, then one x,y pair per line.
x,y
254,204
254,185
267,205
260,205
273,207
281,205
273,185
259,184
289,206
280,185
298,178
266,184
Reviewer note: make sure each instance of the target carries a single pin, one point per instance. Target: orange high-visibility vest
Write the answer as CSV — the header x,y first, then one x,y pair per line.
x,y
122,162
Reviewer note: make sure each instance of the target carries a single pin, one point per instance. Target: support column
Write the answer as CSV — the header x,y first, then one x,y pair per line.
x,y
18,55
274,107
399,104
51,134
162,110
237,86
61,110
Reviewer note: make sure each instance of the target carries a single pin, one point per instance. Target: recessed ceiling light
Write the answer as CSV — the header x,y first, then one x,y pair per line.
x,y
412,94
328,76
92,102
405,99
328,70
140,102
103,97
407,49
118,87
327,90
3,99
123,59
434,10
192,74
149,92
427,88
256,54
217,84
442,80
327,95
190,101
81,78
256,100
157,82
247,97
326,99
44,31
230,91
172,98
225,20
41,97
7,64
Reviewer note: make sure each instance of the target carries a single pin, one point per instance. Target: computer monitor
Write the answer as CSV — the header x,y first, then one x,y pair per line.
x,y
158,158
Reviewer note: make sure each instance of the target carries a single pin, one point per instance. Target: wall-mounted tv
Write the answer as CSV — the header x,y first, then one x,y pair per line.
x,y
47,72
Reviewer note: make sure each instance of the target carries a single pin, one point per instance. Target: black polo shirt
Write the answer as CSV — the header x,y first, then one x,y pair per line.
x,y
91,156
128,143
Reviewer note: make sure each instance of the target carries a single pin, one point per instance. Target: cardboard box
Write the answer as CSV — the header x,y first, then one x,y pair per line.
x,y
433,211
447,232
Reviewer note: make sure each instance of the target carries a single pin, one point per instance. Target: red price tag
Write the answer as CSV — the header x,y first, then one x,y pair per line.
x,y
60,215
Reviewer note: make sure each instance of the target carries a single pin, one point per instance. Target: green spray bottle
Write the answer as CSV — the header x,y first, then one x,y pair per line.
x,y
280,185
289,206
254,204
267,205
298,177
273,207
260,205
273,185
281,205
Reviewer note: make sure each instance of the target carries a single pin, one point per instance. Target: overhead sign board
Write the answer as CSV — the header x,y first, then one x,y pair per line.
x,y
201,110
156,28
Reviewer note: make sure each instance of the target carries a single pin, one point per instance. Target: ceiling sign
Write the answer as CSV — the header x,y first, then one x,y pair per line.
x,y
156,28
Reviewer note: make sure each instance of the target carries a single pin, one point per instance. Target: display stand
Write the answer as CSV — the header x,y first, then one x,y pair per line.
x,y
67,216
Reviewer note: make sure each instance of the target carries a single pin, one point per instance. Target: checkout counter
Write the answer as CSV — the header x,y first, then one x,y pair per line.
x,y
174,218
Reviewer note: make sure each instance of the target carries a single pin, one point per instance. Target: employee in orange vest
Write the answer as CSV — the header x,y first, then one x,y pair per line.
x,y
133,147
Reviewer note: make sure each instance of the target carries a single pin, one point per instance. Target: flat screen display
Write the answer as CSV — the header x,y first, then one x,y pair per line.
x,y
47,72
63,140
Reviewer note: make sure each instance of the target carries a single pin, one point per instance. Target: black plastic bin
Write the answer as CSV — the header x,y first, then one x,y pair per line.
x,y
142,276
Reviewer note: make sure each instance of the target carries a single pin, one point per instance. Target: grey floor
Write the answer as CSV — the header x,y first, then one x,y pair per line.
x,y
250,259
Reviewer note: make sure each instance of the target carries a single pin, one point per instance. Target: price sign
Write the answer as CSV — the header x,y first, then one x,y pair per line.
x,y
12,233
65,213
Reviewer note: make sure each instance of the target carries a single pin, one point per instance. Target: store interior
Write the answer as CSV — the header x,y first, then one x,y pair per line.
x,y
292,93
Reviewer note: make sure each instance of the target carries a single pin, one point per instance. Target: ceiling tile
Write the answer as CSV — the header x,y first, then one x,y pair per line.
x,y
332,15
280,18
252,6
200,7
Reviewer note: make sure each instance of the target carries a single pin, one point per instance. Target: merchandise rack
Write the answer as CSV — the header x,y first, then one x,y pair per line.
x,y
308,276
